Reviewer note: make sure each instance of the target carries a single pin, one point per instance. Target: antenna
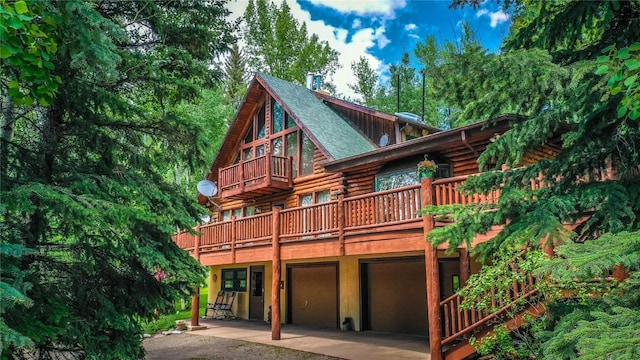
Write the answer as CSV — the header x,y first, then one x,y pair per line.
x,y
209,189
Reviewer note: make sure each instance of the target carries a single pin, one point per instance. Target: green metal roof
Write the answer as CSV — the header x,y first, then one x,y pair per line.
x,y
332,132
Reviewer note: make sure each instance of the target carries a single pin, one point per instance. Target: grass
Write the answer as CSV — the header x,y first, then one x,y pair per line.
x,y
168,321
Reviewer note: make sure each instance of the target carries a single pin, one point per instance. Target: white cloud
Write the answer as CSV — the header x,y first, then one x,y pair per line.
x,y
363,7
410,27
415,36
497,17
350,49
382,40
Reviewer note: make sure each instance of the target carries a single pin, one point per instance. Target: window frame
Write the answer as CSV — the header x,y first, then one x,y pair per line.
x,y
235,279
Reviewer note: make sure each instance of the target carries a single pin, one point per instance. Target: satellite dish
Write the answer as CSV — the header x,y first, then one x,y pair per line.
x,y
207,188
384,140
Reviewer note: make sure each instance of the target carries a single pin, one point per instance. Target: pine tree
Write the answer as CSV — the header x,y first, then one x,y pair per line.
x,y
235,72
279,46
563,70
87,211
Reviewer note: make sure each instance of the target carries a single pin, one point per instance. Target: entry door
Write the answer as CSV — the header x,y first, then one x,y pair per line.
x,y
256,297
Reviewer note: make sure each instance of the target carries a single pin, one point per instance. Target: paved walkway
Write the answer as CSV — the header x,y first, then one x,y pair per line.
x,y
347,345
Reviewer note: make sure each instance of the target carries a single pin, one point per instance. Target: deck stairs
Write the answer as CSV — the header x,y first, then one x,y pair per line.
x,y
510,308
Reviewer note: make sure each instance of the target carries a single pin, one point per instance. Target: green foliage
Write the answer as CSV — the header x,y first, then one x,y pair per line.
x,y
570,97
623,68
278,45
28,45
235,75
89,200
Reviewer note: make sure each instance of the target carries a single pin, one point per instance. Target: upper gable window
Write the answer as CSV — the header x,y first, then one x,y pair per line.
x,y
277,124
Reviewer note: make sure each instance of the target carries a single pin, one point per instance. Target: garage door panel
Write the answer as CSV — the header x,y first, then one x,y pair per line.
x,y
314,296
397,297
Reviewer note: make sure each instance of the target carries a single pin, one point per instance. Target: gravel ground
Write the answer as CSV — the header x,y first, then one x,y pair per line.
x,y
198,347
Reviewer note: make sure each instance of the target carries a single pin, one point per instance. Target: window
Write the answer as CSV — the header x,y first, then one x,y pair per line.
x,y
398,175
306,156
397,179
234,279
278,117
317,197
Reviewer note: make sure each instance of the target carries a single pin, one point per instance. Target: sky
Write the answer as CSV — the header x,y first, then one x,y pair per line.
x,y
381,30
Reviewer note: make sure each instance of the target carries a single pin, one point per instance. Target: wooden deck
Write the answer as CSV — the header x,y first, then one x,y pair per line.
x,y
381,222
262,175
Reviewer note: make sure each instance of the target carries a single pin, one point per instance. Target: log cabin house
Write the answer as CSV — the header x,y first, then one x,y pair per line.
x,y
316,218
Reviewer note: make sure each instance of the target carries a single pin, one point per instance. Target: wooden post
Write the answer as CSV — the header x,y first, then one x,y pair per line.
x,y
268,167
276,276
465,266
433,277
196,247
233,239
241,175
619,273
341,223
195,307
195,299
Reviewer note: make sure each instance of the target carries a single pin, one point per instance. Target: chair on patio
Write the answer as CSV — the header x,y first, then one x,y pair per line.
x,y
215,305
222,308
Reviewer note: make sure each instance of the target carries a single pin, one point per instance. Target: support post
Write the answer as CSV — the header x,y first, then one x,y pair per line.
x,y
233,239
465,266
267,165
195,299
195,307
276,276
341,220
433,277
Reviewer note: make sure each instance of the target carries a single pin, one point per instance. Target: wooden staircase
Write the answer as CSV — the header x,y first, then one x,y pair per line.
x,y
507,307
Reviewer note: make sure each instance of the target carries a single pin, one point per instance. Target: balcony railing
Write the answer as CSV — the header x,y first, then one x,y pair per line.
x,y
380,211
262,175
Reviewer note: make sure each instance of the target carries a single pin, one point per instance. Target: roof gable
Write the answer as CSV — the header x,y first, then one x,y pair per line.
x,y
328,130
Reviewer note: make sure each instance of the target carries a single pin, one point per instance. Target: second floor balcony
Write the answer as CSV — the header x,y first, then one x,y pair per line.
x,y
262,175
382,221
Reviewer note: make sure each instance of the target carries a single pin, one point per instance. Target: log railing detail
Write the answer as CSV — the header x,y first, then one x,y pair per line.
x,y
447,192
229,177
253,229
385,207
359,213
262,169
459,322
308,221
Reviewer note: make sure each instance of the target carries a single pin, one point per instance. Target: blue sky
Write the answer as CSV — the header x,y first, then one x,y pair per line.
x,y
380,30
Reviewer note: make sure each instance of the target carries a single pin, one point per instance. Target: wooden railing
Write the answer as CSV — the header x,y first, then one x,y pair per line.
x,y
459,322
185,240
385,207
447,192
229,177
260,169
345,216
308,221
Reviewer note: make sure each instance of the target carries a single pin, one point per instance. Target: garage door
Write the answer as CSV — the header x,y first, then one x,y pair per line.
x,y
313,291
394,296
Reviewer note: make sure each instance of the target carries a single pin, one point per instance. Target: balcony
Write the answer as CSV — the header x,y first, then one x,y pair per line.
x,y
384,221
263,175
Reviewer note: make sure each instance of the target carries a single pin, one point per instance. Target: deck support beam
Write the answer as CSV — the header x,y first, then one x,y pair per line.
x,y
195,298
276,276
433,277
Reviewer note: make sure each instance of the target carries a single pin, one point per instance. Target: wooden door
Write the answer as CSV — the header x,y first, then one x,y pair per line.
x,y
256,294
